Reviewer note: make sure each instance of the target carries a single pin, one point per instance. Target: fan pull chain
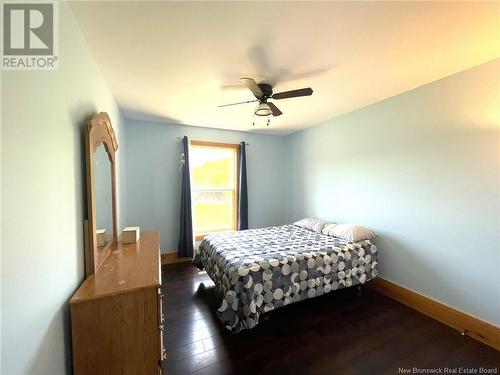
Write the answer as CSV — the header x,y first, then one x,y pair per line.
x,y
268,121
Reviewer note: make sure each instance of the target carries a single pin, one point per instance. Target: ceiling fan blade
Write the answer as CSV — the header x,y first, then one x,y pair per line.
x,y
293,93
275,110
227,105
253,87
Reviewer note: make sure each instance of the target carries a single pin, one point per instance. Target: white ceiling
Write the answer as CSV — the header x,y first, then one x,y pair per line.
x,y
175,62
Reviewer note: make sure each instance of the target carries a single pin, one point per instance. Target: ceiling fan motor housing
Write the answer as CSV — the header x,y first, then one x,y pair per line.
x,y
266,89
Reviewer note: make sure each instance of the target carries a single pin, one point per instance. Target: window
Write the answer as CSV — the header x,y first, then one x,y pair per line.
x,y
214,187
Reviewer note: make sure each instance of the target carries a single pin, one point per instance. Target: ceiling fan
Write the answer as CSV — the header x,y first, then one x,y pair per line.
x,y
263,92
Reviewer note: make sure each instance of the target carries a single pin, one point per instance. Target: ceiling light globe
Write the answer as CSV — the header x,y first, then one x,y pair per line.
x,y
263,110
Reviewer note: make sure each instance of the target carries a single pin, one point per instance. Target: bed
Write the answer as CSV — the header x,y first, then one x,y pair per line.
x,y
259,270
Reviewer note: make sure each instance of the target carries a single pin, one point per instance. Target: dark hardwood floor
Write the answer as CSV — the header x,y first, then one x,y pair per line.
x,y
339,333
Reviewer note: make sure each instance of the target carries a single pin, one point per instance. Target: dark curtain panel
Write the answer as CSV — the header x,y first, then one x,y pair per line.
x,y
185,247
242,193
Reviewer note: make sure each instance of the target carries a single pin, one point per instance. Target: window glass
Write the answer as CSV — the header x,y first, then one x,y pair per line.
x,y
214,188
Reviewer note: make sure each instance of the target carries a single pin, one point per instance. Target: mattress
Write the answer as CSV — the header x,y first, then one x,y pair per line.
x,y
259,270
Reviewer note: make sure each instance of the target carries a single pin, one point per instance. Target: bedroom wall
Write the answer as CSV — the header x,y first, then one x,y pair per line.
x,y
153,177
43,202
422,169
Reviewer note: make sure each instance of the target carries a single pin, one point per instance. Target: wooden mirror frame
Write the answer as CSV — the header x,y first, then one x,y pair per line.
x,y
99,131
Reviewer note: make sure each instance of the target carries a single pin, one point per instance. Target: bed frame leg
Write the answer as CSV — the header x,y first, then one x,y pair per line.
x,y
360,290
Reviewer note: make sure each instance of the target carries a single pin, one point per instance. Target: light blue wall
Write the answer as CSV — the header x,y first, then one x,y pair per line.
x,y
422,169
153,177
43,202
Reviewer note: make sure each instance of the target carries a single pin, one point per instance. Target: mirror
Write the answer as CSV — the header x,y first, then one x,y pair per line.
x,y
100,227
103,197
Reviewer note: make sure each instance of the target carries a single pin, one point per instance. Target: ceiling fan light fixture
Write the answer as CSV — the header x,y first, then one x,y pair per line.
x,y
263,109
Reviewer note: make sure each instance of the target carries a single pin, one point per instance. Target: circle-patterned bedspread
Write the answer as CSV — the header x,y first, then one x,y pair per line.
x,y
259,270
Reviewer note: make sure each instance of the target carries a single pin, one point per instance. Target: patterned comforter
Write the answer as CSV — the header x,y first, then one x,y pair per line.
x,y
259,270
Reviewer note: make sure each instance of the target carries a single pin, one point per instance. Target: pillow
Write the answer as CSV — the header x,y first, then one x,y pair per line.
x,y
319,225
351,232
311,223
328,229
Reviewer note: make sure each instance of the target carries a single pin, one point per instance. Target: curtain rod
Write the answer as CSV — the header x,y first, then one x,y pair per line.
x,y
246,144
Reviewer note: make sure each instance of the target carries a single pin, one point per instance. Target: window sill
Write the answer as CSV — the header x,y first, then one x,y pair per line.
x,y
200,237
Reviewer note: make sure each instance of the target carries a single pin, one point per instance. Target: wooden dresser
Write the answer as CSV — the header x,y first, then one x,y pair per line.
x,y
116,314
